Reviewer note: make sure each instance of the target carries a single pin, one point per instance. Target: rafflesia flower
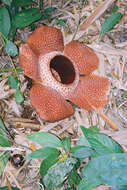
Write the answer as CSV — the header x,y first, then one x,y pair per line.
x,y
62,74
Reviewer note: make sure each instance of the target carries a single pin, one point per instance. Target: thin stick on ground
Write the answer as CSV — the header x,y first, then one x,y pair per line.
x,y
8,172
108,120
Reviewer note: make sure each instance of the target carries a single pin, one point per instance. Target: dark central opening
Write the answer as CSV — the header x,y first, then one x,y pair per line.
x,y
62,69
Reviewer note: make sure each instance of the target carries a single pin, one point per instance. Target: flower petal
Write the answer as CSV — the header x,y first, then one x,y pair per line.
x,y
28,62
91,92
49,104
83,56
45,39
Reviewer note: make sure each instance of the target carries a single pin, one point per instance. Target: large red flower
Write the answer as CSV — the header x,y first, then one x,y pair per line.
x,y
61,74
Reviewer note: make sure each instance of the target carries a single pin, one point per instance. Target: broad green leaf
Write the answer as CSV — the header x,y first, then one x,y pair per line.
x,y
11,48
18,96
43,153
87,184
47,163
22,3
110,22
76,147
101,143
57,173
109,169
4,21
82,152
46,139
125,75
4,156
6,188
4,142
82,141
126,8
13,82
90,130
7,2
2,129
26,17
66,144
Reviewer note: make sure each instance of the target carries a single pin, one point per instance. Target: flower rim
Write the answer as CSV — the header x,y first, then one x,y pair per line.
x,y
50,80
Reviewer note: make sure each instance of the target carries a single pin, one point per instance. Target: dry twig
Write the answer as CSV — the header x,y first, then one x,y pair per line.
x,y
96,14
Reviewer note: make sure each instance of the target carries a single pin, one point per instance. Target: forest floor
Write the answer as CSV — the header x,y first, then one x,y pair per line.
x,y
111,49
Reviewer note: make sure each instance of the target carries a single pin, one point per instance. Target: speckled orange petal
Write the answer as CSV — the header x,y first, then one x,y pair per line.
x,y
91,93
83,56
49,104
45,39
28,62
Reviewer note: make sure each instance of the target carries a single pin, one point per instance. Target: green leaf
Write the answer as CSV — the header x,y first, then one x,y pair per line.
x,y
125,95
4,21
11,48
43,153
81,152
4,156
101,143
7,2
6,188
66,144
115,8
18,96
23,3
82,141
74,178
4,142
125,75
12,33
60,22
2,129
13,82
26,17
40,4
90,130
47,163
120,188
125,8
57,173
110,22
49,10
46,139
8,70
109,169
87,184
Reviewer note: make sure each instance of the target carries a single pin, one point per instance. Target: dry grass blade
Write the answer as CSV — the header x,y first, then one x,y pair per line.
x,y
106,49
8,183
33,126
96,14
8,172
108,120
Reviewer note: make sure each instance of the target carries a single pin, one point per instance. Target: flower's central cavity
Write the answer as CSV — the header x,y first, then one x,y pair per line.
x,y
62,69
